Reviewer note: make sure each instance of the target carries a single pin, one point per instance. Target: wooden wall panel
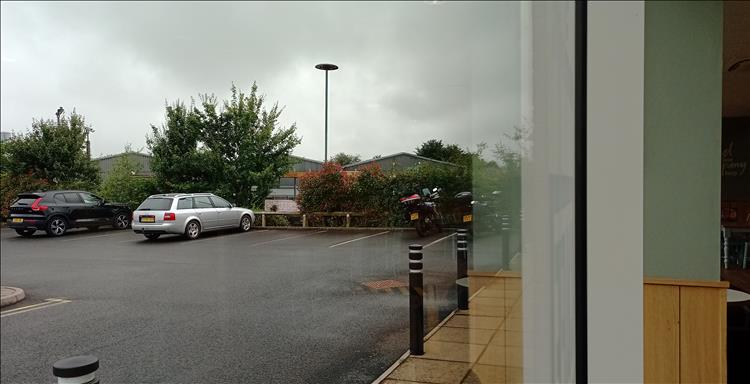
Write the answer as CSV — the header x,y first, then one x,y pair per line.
x,y
703,335
684,331
661,331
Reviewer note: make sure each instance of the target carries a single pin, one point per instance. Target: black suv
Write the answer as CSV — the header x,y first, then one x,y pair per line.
x,y
57,211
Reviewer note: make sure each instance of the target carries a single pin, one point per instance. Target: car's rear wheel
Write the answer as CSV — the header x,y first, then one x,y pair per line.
x,y
245,223
121,220
57,226
152,236
192,230
25,232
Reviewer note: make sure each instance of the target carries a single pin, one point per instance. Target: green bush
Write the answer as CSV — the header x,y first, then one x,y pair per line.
x,y
277,221
272,220
122,186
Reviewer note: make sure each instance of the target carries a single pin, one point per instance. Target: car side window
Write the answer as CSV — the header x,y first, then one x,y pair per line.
x,y
219,202
48,200
185,203
73,198
89,198
202,202
60,198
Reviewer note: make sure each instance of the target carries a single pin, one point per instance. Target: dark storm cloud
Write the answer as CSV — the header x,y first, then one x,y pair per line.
x,y
409,71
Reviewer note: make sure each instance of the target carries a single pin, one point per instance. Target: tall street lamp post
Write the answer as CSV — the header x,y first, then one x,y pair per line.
x,y
59,112
326,67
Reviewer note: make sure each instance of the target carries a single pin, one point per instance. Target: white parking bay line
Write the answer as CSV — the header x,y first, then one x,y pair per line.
x,y
288,238
439,240
358,239
47,303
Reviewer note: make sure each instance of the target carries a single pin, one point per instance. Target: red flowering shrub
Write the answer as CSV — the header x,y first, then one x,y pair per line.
x,y
327,190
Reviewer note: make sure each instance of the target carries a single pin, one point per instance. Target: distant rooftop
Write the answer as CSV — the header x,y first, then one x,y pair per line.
x,y
396,155
122,153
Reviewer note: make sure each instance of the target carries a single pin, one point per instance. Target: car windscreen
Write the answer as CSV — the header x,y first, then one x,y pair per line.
x,y
25,201
156,204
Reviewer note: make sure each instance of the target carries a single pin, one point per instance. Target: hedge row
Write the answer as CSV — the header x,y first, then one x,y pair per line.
x,y
375,193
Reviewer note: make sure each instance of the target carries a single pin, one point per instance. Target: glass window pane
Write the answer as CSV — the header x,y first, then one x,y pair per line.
x,y
89,198
73,198
202,202
219,202
352,130
156,204
185,203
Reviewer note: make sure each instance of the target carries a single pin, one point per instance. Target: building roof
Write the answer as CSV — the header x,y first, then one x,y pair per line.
x,y
123,153
374,159
306,159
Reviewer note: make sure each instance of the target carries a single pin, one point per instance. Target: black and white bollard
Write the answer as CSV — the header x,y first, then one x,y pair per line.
x,y
462,266
76,370
416,301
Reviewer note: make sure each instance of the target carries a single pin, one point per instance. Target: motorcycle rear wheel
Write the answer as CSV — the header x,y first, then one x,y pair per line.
x,y
422,227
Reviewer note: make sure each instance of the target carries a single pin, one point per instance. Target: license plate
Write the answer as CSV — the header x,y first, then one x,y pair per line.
x,y
415,216
467,218
148,219
17,220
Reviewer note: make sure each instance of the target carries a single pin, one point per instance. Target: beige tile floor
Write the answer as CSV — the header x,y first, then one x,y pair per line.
x,y
480,345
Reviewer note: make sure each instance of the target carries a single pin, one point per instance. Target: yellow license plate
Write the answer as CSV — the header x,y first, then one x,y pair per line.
x,y
17,220
467,218
415,216
148,219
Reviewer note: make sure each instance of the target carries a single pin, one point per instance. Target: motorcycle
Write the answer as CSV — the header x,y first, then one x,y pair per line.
x,y
422,211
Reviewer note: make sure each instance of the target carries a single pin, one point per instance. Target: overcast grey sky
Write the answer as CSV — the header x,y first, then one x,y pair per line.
x,y
409,71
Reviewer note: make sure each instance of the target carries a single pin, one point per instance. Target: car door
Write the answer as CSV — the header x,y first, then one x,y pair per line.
x,y
224,213
96,211
77,212
205,210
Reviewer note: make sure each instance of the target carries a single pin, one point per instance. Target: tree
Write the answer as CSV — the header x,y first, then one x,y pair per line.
x,y
53,153
225,148
343,159
124,186
436,150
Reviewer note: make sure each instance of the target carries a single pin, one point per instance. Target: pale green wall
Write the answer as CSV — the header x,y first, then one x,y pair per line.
x,y
682,139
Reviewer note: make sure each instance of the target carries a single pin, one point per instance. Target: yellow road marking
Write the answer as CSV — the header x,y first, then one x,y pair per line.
x,y
47,303
358,239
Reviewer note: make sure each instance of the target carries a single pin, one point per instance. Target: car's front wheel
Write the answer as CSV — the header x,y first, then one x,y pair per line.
x,y
121,220
25,232
57,226
245,223
192,230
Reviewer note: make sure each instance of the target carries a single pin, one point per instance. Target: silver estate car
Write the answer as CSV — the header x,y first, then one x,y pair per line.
x,y
188,214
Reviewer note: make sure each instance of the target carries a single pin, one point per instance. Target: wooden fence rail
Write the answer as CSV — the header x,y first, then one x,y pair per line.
x,y
348,216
